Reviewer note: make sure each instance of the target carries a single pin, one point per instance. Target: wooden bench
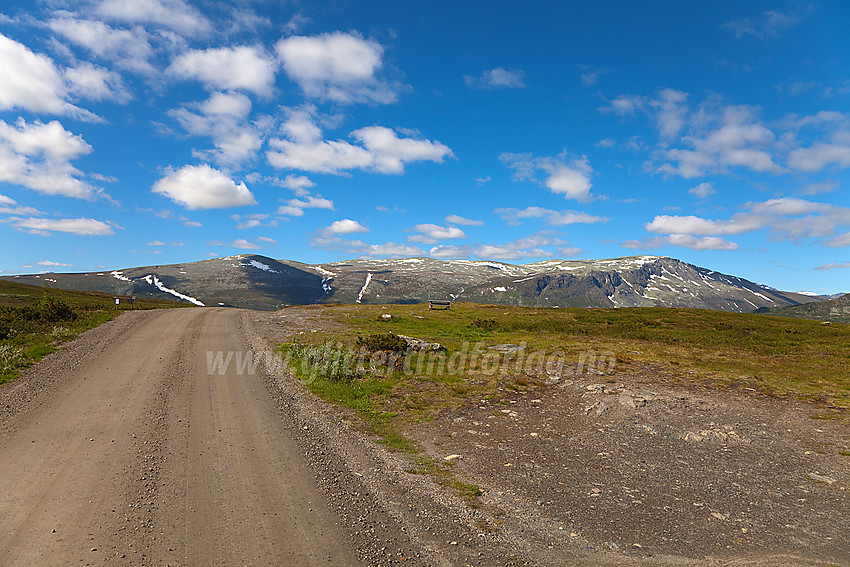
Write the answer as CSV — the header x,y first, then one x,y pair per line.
x,y
439,304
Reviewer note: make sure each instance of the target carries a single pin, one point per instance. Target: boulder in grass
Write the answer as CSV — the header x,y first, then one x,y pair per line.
x,y
422,346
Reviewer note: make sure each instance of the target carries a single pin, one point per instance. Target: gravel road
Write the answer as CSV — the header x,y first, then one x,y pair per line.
x,y
121,448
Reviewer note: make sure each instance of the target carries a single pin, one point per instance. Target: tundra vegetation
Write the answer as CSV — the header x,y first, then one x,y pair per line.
x,y
356,362
35,321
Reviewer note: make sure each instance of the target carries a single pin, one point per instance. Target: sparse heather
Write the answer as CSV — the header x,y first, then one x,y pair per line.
x,y
35,321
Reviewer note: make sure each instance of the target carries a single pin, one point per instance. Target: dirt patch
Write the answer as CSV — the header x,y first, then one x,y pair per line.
x,y
620,468
642,469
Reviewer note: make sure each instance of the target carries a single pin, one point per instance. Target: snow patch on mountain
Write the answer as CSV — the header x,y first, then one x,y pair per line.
x,y
261,266
408,261
154,281
759,295
365,285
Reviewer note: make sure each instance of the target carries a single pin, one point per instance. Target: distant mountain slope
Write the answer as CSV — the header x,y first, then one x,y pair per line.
x,y
259,282
836,310
254,282
636,281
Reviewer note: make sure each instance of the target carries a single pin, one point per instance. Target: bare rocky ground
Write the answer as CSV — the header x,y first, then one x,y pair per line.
x,y
159,464
651,472
597,469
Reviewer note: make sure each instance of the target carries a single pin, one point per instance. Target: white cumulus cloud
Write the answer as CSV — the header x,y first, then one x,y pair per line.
x,y
241,67
297,183
31,81
715,137
175,15
345,226
683,240
224,118
244,244
38,156
786,218
78,226
96,83
691,224
295,207
380,150
724,137
390,153
9,206
340,67
538,245
433,233
818,156
562,176
555,218
129,49
203,187
703,190
253,221
358,248
457,219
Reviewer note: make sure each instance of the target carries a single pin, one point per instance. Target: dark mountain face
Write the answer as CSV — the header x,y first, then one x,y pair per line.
x,y
259,282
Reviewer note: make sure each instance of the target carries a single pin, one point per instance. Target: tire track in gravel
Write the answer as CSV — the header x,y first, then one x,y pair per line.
x,y
138,456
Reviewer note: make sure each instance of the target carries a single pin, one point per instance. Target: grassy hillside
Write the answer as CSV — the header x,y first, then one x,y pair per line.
x,y
35,321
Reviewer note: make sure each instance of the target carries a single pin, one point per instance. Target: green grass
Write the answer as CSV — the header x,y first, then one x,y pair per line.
x,y
364,393
681,347
775,356
358,392
35,321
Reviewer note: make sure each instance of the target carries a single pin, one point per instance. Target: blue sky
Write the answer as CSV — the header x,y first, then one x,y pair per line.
x,y
139,132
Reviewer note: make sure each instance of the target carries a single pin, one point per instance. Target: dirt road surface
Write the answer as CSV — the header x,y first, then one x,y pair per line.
x,y
135,455
123,449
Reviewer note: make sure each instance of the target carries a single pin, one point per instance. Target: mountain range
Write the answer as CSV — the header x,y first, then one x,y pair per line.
x,y
836,310
259,282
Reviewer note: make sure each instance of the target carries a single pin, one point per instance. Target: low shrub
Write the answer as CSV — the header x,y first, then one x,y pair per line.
x,y
29,318
329,363
53,310
61,333
382,341
10,358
